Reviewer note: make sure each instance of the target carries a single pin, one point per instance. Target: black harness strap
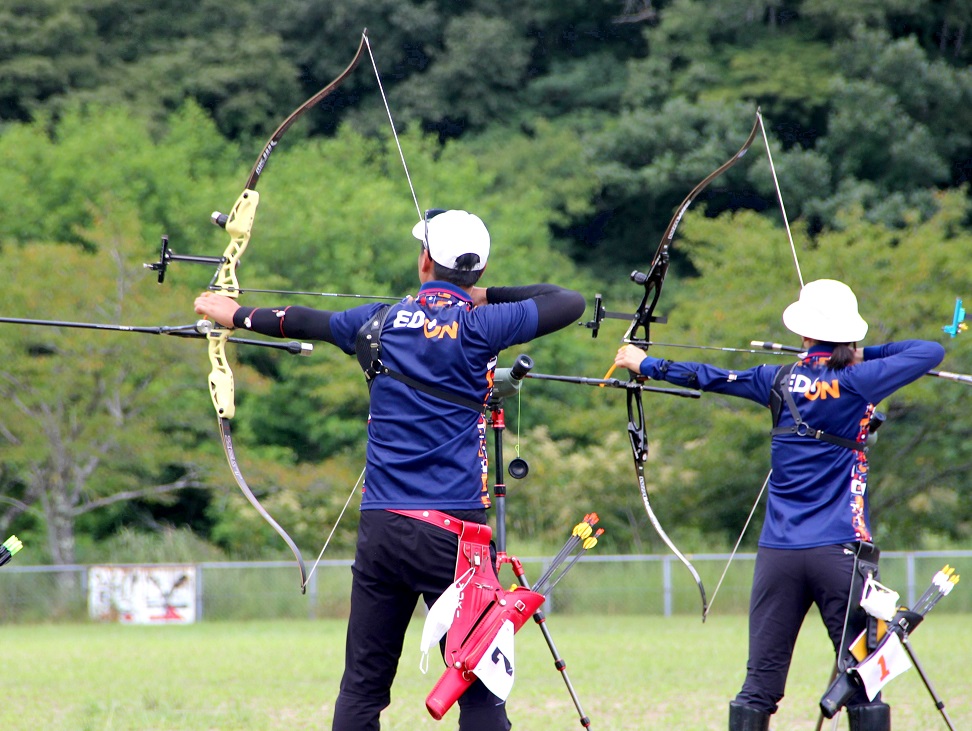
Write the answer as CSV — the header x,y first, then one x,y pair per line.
x,y
367,347
780,395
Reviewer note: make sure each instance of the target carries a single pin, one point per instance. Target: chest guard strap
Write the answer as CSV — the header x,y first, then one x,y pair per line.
x,y
367,347
780,395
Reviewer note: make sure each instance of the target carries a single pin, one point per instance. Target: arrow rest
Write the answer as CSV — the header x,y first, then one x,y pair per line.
x,y
166,255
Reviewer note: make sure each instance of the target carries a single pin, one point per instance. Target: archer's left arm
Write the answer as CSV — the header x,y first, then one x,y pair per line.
x,y
304,323
752,383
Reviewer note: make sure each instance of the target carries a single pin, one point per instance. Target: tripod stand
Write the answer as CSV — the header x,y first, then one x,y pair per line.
x,y
518,469
846,684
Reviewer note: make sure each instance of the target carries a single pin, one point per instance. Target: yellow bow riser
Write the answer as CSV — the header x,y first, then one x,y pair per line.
x,y
239,225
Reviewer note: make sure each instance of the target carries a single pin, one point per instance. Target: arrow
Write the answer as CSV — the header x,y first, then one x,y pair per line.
x,y
9,548
198,329
958,320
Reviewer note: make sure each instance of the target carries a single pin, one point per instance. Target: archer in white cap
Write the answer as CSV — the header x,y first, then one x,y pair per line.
x,y
429,361
816,545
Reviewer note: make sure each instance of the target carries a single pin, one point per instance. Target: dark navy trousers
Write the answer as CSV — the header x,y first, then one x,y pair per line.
x,y
397,560
786,583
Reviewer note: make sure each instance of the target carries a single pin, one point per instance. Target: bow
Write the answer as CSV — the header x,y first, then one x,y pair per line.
x,y
639,334
239,224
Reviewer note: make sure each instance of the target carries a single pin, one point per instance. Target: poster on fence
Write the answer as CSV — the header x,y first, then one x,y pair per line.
x,y
142,594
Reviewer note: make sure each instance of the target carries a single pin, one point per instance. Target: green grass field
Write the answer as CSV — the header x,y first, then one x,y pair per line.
x,y
631,673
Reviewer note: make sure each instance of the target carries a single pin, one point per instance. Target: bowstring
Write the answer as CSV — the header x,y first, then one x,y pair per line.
x,y
418,210
735,548
779,196
796,263
391,122
334,527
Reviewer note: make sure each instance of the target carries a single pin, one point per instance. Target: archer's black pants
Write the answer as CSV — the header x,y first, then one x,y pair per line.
x,y
785,585
397,560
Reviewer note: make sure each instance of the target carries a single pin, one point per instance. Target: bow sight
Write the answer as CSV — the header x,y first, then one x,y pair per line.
x,y
601,314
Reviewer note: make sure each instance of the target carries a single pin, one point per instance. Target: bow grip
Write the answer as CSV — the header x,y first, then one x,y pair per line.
x,y
221,385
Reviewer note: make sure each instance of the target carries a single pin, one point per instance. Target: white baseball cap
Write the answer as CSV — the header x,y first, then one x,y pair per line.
x,y
826,311
449,235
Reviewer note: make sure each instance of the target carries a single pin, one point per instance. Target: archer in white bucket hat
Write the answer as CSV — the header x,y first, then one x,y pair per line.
x,y
826,312
455,239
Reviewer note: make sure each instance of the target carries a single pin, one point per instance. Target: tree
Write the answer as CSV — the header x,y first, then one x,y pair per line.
x,y
89,422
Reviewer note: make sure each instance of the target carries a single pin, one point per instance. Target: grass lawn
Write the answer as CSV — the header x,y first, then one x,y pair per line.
x,y
631,674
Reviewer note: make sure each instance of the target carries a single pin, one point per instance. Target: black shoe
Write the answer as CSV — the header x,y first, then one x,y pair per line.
x,y
873,717
747,718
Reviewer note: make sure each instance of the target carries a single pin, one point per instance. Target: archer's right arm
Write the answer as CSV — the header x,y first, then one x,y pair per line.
x,y
556,307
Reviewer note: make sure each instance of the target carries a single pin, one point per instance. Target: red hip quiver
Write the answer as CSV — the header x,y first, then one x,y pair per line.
x,y
483,608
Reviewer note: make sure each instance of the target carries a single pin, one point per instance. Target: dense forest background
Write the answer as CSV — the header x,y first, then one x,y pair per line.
x,y
574,129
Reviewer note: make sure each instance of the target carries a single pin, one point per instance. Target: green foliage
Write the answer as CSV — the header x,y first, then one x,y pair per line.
x,y
152,56
166,546
98,159
573,136
244,674
473,77
88,417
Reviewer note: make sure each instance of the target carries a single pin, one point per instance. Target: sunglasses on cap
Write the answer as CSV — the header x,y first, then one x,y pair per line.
x,y
429,215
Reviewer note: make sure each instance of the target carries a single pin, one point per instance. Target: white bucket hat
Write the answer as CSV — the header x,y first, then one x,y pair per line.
x,y
827,311
448,235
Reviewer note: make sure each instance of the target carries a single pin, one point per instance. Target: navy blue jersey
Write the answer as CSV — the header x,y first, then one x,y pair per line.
x,y
424,452
817,491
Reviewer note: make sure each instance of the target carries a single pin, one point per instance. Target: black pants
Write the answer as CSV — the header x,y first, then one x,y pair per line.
x,y
785,585
397,560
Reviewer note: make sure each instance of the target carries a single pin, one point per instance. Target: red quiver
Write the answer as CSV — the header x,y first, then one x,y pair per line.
x,y
483,608
517,606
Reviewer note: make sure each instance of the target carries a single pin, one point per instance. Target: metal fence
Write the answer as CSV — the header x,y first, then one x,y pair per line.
x,y
605,584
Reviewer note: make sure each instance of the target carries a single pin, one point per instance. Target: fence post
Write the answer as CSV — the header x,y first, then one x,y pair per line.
x,y
199,592
667,585
910,575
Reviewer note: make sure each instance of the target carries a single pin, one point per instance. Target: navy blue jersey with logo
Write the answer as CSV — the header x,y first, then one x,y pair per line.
x,y
817,491
422,450
425,451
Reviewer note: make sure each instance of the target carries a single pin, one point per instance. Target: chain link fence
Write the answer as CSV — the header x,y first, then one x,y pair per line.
x,y
603,584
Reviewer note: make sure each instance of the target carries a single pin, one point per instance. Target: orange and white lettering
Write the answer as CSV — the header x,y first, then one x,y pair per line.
x,y
409,319
435,331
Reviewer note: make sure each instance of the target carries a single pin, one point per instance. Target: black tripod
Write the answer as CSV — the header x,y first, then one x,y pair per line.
x,y
506,383
845,684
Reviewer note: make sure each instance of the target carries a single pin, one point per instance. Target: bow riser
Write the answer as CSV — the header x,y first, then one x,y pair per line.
x,y
239,225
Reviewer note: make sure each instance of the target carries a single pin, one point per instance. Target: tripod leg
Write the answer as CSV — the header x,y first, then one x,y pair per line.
x,y
939,704
559,663
820,721
498,424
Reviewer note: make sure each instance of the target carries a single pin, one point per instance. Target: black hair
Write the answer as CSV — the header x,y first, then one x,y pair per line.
x,y
842,355
462,277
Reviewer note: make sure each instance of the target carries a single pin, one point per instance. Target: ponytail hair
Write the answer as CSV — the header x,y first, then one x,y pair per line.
x,y
842,355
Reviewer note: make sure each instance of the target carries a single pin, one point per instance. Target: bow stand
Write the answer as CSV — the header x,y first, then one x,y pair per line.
x,y
506,383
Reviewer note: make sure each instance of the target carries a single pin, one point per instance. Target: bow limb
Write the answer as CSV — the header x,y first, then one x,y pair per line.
x,y
239,225
639,329
222,387
655,277
639,333
639,451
